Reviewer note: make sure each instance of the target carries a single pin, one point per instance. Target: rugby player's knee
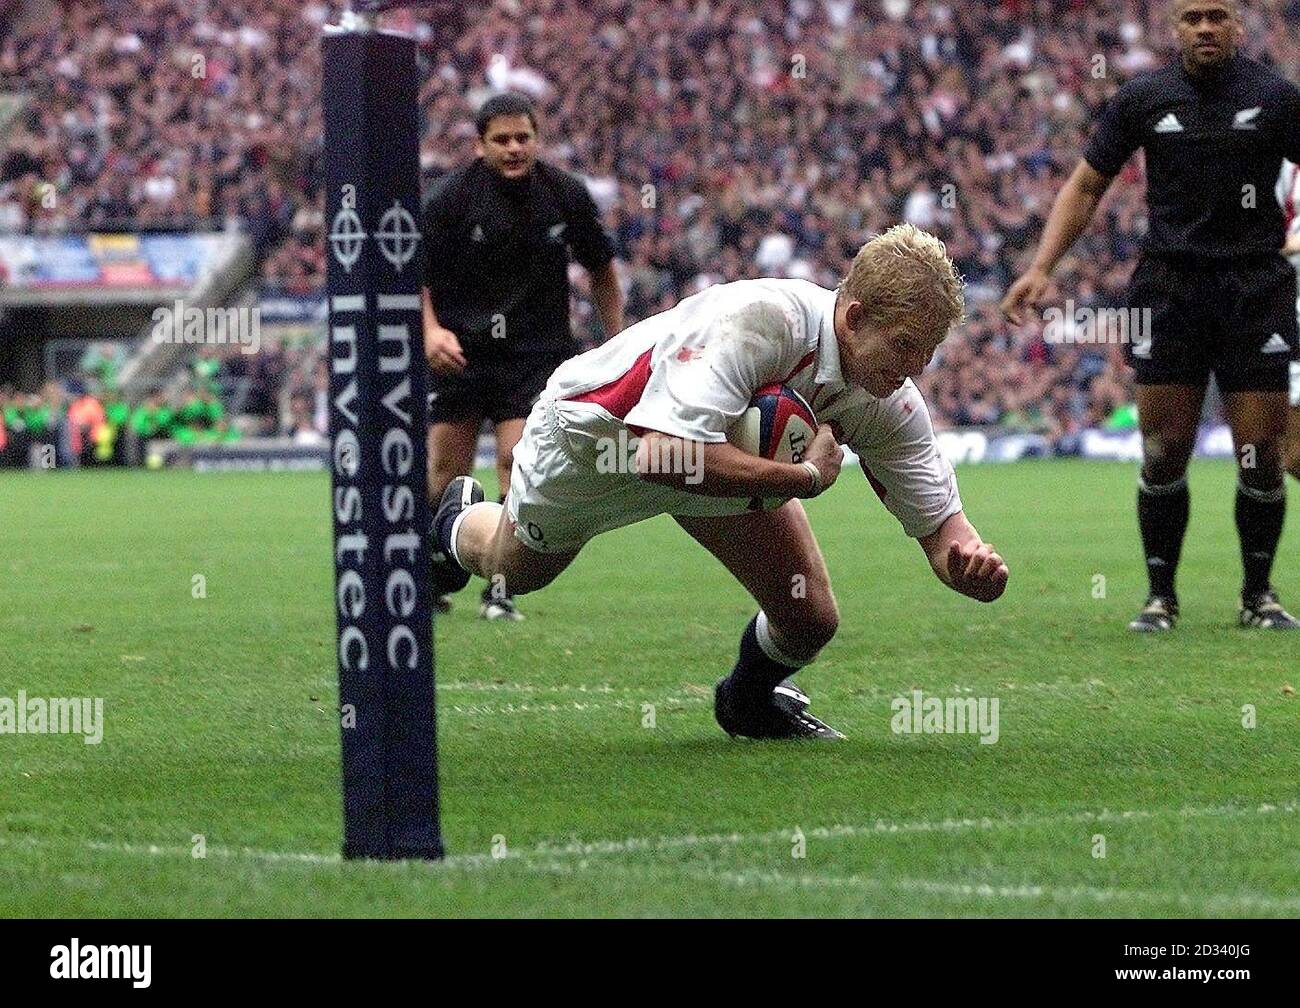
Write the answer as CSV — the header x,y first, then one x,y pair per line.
x,y
451,452
521,581
521,570
1291,453
821,624
804,630
1259,466
439,477
443,468
1165,456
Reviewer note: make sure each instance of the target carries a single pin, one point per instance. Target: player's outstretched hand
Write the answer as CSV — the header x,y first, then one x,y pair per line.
x,y
443,350
826,454
977,570
1026,292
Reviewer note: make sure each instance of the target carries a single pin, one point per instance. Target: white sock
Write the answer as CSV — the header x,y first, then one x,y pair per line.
x,y
763,632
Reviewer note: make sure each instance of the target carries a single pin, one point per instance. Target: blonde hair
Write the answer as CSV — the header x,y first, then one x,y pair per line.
x,y
905,280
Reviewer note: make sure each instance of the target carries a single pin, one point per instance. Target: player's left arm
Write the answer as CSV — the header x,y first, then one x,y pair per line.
x,y
1289,123
607,293
963,561
896,447
593,248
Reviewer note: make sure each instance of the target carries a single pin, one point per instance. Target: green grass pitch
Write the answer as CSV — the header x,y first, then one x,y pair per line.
x,y
220,720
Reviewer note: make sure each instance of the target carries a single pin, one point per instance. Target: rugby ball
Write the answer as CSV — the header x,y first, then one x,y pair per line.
x,y
778,424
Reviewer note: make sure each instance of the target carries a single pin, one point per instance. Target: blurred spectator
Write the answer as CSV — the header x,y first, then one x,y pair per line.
x,y
723,140
302,425
85,420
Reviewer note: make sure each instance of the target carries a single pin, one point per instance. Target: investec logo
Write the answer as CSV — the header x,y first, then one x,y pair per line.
x,y
395,458
1075,324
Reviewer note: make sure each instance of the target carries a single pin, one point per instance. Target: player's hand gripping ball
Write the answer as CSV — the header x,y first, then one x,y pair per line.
x,y
779,425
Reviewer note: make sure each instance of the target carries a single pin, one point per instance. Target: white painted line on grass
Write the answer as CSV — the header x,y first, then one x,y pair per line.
x,y
824,688
483,686
1206,904
583,848
1209,902
567,706
654,844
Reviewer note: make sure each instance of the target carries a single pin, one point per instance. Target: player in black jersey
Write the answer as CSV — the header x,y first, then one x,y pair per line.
x,y
498,237
1219,296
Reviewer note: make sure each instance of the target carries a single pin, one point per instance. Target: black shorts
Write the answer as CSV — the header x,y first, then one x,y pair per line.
x,y
1234,317
497,383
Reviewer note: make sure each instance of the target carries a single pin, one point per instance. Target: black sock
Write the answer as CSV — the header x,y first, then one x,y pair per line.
x,y
442,534
439,571
1162,519
755,674
1259,525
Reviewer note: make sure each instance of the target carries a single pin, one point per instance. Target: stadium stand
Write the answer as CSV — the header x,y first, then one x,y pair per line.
x,y
721,140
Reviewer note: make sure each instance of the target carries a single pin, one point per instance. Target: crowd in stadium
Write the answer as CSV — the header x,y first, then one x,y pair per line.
x,y
69,425
721,140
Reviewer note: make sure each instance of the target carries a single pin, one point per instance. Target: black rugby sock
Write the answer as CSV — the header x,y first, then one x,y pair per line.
x,y
442,534
1260,514
755,675
1162,519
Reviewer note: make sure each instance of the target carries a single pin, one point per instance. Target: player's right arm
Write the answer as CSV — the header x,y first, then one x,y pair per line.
x,y
1073,209
441,347
1117,135
695,395
722,470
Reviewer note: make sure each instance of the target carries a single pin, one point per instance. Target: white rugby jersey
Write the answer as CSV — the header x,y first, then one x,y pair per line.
x,y
692,370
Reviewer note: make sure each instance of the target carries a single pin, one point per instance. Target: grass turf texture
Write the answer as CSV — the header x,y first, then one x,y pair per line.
x,y
220,719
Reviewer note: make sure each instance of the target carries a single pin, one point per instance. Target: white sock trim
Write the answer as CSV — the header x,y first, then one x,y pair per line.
x,y
1158,489
1278,493
455,529
770,648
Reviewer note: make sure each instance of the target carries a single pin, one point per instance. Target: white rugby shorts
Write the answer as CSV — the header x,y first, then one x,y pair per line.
x,y
564,490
